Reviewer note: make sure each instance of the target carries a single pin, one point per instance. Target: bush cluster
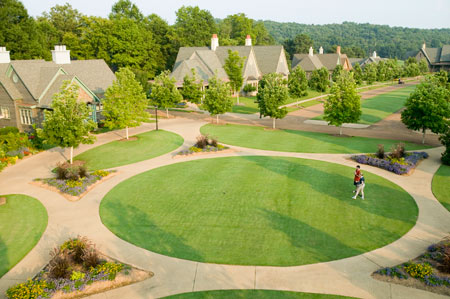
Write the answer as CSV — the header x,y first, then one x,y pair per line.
x,y
249,88
74,172
205,140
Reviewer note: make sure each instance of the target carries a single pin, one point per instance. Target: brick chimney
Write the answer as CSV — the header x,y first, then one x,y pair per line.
x,y
4,55
311,51
248,40
320,50
338,50
214,42
60,55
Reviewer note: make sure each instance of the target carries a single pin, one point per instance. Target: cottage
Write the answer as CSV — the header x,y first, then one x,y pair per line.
x,y
364,61
207,61
437,58
310,62
27,86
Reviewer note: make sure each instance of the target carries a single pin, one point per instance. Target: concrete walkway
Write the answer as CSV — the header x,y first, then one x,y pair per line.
x,y
350,276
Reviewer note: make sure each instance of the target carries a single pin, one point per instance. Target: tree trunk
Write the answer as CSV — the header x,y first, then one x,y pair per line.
x,y
126,132
423,136
273,123
238,98
217,118
71,155
167,112
340,130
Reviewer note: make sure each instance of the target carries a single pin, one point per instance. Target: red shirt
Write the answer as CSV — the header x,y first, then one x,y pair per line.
x,y
357,175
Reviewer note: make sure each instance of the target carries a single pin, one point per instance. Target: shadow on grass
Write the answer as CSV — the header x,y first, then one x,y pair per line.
x,y
301,235
136,227
332,184
4,265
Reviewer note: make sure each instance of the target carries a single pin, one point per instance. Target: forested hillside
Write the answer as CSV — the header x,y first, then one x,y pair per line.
x,y
387,41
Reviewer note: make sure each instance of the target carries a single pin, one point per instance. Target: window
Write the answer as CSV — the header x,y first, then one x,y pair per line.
x,y
25,116
4,113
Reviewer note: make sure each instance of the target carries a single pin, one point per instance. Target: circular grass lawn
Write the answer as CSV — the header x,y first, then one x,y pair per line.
x,y
257,211
253,294
23,220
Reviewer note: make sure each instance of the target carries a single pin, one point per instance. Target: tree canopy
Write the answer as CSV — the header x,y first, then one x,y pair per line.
x,y
298,83
164,93
272,93
68,123
319,79
234,65
217,98
192,88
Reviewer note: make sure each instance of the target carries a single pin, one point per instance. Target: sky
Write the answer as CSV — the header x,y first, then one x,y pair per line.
x,y
404,13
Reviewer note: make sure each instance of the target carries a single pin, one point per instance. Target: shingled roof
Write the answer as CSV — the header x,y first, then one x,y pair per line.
x,y
310,63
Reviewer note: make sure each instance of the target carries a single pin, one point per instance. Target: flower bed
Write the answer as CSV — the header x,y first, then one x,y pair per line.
x,y
79,186
398,166
76,269
207,149
430,271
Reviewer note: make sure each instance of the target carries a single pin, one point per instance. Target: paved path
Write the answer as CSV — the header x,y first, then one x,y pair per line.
x,y
350,276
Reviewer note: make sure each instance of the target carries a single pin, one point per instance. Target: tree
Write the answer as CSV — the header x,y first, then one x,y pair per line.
x,y
298,83
234,64
357,74
299,44
370,72
164,93
445,140
194,26
217,98
343,104
68,123
319,79
428,107
411,70
65,20
192,89
272,93
125,102
382,71
423,66
126,9
337,72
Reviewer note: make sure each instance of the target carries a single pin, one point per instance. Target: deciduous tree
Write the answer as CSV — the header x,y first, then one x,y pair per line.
x,y
164,93
319,79
298,83
192,88
343,104
125,102
217,98
357,74
234,64
427,107
370,73
68,123
272,93
337,73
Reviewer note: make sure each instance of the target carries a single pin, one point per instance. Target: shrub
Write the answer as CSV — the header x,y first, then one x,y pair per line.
x,y
101,173
75,248
7,130
202,141
31,289
445,261
380,151
398,151
77,275
445,140
59,264
90,258
419,270
249,88
67,171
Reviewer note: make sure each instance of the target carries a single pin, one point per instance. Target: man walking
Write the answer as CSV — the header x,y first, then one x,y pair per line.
x,y
360,187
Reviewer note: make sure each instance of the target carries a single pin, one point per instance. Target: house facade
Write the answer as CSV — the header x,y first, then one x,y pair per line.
x,y
365,61
310,62
27,86
208,61
438,58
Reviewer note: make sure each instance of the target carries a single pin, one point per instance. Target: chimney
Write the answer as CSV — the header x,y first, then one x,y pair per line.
x,y
60,55
320,50
424,46
338,50
374,54
214,42
248,40
4,55
311,51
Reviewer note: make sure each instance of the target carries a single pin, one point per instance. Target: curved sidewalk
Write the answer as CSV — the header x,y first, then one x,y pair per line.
x,y
350,276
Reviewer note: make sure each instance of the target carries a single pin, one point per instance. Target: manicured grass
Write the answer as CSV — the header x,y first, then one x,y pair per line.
x,y
441,186
304,105
253,294
381,106
22,222
257,211
117,153
296,141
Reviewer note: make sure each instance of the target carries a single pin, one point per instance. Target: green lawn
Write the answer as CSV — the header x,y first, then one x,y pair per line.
x,y
253,294
381,106
117,153
22,222
257,211
441,185
296,141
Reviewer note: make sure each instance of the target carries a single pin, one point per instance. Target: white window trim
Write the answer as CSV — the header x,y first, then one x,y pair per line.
x,y
26,116
6,115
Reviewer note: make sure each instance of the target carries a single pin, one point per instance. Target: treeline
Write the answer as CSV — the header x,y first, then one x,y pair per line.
x,y
127,38
389,42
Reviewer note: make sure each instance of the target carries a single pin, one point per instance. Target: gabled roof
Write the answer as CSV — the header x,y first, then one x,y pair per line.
x,y
7,83
445,54
310,63
55,87
433,54
267,58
